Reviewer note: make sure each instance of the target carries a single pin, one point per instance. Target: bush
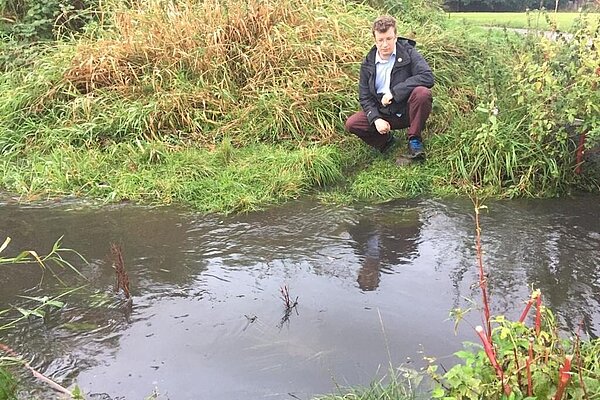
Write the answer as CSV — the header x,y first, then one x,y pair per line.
x,y
521,140
35,20
530,362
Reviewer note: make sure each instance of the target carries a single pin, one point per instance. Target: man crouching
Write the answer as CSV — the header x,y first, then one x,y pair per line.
x,y
394,91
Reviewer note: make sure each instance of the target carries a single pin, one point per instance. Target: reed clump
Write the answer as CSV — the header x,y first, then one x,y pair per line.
x,y
257,70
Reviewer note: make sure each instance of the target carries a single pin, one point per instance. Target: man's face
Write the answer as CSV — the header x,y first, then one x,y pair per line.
x,y
385,42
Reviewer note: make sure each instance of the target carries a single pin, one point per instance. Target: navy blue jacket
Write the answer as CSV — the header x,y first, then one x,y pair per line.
x,y
409,71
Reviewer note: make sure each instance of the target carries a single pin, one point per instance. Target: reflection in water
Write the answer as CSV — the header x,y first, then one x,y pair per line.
x,y
384,241
368,274
206,291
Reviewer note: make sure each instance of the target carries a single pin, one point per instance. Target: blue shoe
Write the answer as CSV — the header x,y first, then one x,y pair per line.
x,y
415,147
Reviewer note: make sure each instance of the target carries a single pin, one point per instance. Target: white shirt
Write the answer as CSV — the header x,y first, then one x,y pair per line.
x,y
383,73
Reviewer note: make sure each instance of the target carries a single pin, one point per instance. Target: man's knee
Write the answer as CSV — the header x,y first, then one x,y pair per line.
x,y
354,123
421,94
348,125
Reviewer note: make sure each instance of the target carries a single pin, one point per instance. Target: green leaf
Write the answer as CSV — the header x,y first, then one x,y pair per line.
x,y
465,355
28,313
6,242
55,303
437,393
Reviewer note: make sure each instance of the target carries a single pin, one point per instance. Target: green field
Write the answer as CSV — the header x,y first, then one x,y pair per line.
x,y
536,20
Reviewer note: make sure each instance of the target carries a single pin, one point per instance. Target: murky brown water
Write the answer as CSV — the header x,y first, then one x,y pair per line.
x,y
374,284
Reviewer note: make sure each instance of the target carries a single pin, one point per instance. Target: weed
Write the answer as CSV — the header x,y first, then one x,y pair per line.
x,y
290,305
54,257
121,273
8,385
399,384
42,306
517,361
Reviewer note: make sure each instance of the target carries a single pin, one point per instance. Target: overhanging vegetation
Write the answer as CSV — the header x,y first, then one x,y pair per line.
x,y
230,106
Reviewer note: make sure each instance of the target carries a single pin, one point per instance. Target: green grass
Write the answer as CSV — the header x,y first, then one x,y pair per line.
x,y
399,384
226,179
8,385
534,20
115,116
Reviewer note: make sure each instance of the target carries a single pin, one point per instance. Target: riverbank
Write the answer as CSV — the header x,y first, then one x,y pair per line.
x,y
233,111
375,284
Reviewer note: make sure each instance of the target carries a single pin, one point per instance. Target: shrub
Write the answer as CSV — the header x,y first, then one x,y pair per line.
x,y
517,362
34,20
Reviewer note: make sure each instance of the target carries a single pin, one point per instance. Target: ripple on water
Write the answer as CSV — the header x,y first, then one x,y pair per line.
x,y
372,282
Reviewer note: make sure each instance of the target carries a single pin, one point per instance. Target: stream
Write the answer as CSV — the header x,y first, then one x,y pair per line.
x,y
374,286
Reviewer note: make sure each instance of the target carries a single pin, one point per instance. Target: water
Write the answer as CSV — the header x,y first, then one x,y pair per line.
x,y
374,285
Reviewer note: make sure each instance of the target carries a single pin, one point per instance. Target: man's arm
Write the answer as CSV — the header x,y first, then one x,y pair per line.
x,y
368,102
421,76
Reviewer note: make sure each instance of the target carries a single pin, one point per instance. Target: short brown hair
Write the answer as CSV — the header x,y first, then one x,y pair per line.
x,y
383,23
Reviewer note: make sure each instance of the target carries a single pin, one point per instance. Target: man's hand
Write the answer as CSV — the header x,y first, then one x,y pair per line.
x,y
387,98
382,126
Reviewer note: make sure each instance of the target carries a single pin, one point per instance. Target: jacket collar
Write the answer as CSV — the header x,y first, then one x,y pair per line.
x,y
401,53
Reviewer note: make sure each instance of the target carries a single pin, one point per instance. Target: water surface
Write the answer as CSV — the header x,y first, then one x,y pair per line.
x,y
374,285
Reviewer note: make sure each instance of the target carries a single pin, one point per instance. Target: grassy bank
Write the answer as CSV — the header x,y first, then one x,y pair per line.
x,y
564,21
399,384
225,179
228,107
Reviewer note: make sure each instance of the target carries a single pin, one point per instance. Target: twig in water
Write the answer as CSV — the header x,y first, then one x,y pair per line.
x,y
119,266
35,373
285,295
249,320
289,305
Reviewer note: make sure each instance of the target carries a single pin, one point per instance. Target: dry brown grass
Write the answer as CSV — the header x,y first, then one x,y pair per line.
x,y
222,41
269,59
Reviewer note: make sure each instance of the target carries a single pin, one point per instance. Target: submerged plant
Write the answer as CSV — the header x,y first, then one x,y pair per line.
x,y
45,262
39,310
122,282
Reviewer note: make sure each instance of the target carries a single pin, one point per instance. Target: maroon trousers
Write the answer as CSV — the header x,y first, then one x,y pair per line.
x,y
419,108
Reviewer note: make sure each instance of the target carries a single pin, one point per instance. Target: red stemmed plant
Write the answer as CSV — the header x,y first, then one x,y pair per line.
x,y
535,353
